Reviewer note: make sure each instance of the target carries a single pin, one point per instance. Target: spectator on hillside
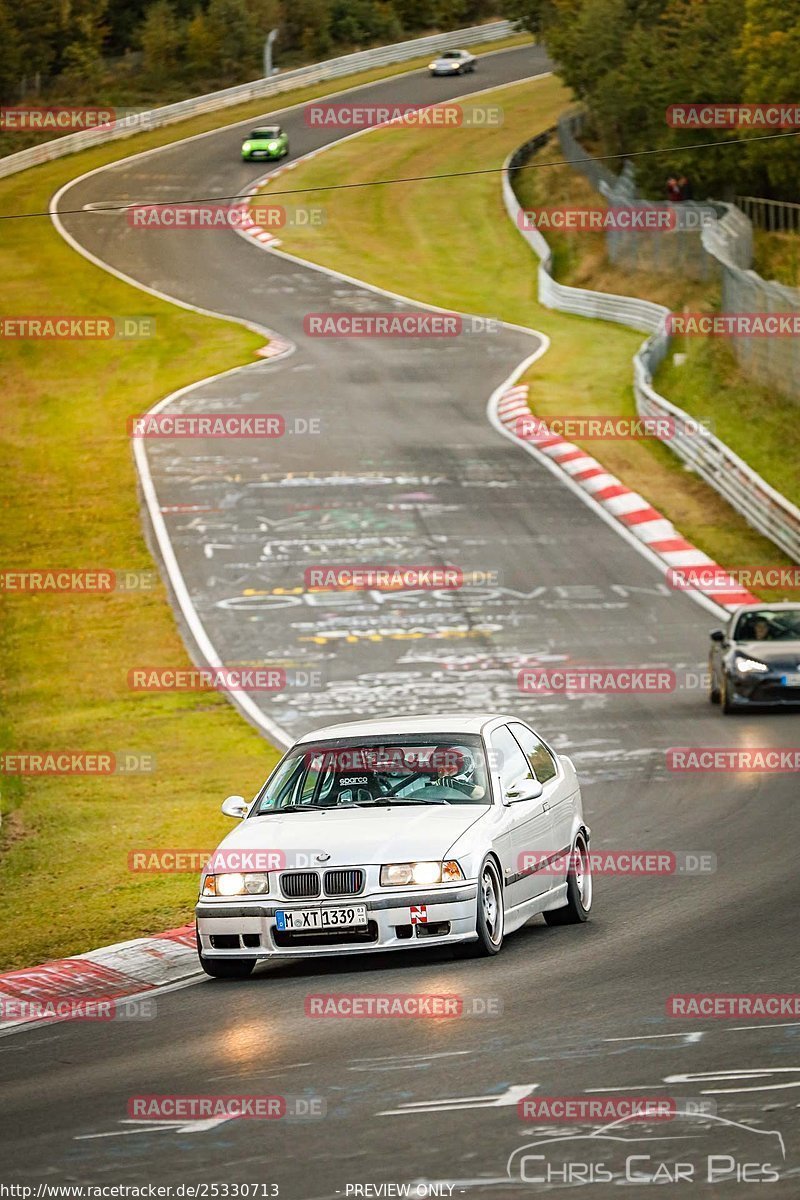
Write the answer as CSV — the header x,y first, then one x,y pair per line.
x,y
673,190
685,188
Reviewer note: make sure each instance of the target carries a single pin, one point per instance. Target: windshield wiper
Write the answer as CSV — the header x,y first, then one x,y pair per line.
x,y
388,801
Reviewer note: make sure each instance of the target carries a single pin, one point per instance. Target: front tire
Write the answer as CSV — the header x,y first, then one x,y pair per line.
x,y
713,690
579,888
491,911
227,968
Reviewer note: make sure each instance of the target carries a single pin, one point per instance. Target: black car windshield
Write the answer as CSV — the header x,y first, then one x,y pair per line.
x,y
265,133
769,625
373,774
452,54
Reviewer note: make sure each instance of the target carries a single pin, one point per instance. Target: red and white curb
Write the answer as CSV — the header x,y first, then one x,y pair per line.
x,y
628,508
56,990
244,220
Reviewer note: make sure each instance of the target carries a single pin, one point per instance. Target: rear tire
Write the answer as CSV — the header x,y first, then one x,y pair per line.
x,y
227,968
579,888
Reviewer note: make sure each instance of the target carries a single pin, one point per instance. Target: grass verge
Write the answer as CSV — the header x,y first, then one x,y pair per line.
x,y
406,237
68,496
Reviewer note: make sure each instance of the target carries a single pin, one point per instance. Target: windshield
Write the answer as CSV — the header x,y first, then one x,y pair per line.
x,y
452,54
265,133
350,774
769,625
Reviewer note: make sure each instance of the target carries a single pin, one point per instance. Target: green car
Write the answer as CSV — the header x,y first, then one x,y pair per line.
x,y
267,142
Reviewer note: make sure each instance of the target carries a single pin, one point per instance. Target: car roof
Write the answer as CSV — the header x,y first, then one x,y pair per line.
x,y
783,605
447,722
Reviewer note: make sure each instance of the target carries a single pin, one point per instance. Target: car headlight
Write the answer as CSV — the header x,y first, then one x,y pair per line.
x,y
432,66
420,874
247,147
746,665
234,884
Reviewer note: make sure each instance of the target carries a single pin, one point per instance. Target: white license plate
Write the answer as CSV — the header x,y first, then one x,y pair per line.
x,y
792,680
322,918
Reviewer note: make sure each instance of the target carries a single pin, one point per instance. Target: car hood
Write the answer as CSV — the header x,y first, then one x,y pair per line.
x,y
355,837
774,654
447,62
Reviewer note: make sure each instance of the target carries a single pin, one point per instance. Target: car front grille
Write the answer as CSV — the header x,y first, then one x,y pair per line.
x,y
300,885
343,883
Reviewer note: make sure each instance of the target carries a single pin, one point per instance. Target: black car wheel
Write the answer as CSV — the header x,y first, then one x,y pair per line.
x,y
713,690
491,912
579,888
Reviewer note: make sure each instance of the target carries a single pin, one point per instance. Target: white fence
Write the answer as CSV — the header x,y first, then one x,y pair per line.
x,y
776,216
334,68
762,507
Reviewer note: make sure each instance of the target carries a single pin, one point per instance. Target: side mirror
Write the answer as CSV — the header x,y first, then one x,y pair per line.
x,y
717,635
235,806
526,789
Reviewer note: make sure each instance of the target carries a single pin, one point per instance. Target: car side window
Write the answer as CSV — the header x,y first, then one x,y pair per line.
x,y
539,758
507,759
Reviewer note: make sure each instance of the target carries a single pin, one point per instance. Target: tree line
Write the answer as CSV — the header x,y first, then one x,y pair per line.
x,y
100,51
628,60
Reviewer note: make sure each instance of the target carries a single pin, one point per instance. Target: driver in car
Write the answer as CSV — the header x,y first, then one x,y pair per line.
x,y
457,770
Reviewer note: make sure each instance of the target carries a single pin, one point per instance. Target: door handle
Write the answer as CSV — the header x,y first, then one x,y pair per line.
x,y
545,806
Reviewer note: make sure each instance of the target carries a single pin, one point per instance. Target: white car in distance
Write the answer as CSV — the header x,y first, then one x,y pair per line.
x,y
397,834
453,62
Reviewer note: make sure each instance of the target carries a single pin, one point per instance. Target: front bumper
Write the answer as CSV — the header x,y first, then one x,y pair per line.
x,y
246,927
265,155
762,691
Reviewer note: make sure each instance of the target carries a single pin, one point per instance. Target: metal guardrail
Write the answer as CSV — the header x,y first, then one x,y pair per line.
x,y
760,504
333,68
775,216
